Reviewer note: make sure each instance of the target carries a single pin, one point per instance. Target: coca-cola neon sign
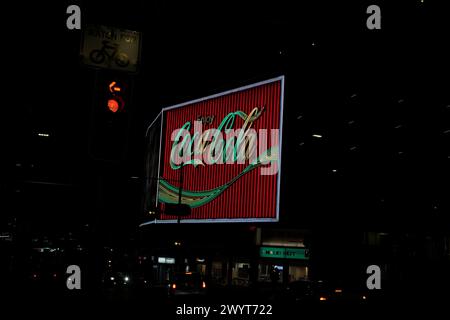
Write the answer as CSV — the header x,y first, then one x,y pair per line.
x,y
231,156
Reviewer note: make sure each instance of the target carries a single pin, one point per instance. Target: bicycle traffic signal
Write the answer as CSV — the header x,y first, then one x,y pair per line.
x,y
110,116
115,101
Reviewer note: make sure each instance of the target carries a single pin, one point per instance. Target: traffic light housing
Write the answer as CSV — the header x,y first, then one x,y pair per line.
x,y
110,116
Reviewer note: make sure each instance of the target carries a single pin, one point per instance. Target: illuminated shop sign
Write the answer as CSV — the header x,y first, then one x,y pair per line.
x,y
229,148
166,260
284,253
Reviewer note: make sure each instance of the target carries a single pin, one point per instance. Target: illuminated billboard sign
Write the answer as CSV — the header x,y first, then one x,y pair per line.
x,y
284,253
226,150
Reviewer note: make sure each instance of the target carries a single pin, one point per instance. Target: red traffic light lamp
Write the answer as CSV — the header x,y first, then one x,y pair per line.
x,y
113,105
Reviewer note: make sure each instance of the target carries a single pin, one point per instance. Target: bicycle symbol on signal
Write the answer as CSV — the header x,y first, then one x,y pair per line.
x,y
111,51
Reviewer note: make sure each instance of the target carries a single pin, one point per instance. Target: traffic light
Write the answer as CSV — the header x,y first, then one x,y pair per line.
x,y
115,101
110,116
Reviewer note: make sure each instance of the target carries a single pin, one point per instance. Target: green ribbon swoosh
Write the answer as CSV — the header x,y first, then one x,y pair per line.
x,y
169,193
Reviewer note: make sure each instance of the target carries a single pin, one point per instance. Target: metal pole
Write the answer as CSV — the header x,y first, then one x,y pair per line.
x,y
181,189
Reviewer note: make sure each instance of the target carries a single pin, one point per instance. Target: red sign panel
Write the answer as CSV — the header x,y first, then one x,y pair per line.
x,y
228,147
